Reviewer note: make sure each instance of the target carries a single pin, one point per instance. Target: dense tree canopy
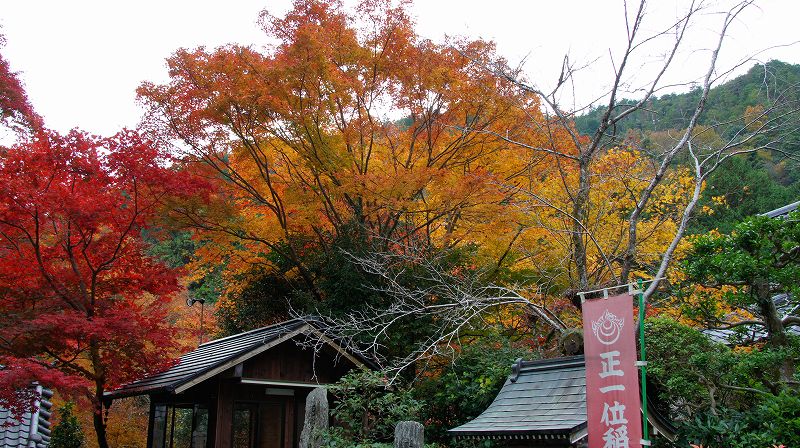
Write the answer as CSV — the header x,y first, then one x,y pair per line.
x,y
353,135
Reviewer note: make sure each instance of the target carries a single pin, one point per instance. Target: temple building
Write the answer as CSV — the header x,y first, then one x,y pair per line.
x,y
243,391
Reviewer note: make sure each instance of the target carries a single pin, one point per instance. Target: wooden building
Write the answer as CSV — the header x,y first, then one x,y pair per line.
x,y
542,404
243,391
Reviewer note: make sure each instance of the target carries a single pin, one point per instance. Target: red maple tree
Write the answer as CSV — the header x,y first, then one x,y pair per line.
x,y
83,309
16,112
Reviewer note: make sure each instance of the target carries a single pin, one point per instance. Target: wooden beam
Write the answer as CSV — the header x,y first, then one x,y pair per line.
x,y
261,382
336,346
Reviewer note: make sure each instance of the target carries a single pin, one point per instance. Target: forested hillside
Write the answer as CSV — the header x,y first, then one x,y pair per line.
x,y
746,185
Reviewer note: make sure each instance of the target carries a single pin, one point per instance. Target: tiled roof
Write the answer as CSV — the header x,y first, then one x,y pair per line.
x,y
546,397
543,400
19,433
783,211
217,354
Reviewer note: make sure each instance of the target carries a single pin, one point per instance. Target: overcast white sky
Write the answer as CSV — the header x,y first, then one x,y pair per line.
x,y
81,60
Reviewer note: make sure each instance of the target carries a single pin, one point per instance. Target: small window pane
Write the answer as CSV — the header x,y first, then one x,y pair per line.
x,y
243,426
182,432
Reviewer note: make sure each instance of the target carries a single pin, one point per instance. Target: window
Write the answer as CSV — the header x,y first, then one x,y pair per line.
x,y
179,426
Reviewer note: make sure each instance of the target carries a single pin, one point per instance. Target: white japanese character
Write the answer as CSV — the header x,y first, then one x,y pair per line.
x,y
616,437
614,415
606,389
610,364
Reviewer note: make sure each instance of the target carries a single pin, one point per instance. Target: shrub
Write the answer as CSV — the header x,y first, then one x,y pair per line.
x,y
366,409
67,433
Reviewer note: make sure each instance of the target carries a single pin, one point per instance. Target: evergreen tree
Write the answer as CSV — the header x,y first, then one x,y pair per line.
x,y
68,432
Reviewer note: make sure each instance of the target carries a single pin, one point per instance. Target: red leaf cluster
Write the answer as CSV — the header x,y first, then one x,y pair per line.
x,y
82,307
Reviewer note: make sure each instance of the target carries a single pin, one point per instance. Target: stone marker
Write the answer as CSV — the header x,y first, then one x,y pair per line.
x,y
316,422
409,435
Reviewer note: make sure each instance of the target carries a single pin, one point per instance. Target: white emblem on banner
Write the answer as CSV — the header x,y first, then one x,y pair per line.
x,y
607,328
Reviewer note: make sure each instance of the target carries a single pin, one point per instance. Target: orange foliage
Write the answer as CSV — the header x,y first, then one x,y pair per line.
x,y
352,123
350,119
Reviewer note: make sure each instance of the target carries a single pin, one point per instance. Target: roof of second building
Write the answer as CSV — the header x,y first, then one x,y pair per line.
x,y
547,396
543,399
220,354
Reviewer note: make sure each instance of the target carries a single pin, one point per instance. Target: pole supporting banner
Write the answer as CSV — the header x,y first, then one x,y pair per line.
x,y
642,364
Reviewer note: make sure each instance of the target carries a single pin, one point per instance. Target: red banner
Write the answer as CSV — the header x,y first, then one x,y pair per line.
x,y
612,380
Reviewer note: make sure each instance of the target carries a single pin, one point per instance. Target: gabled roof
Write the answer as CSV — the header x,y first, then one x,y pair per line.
x,y
546,398
541,400
214,357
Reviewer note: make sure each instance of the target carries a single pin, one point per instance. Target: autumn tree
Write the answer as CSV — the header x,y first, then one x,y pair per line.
x,y
354,136
351,129
759,129
605,208
82,308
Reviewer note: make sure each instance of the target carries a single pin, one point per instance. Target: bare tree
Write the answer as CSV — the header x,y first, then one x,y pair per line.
x,y
455,304
761,131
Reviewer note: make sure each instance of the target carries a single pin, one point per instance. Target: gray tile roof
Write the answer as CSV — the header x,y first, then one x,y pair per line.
x,y
214,355
546,397
543,400
206,357
16,433
783,211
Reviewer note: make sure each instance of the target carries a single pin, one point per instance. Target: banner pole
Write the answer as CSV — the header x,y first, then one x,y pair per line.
x,y
643,364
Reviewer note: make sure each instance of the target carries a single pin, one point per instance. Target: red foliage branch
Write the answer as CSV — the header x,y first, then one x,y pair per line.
x,y
16,111
82,307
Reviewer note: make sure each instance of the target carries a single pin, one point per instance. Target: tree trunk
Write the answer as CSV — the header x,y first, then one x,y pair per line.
x,y
579,214
99,422
776,333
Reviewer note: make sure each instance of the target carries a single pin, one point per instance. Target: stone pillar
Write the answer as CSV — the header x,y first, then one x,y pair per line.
x,y
316,421
409,435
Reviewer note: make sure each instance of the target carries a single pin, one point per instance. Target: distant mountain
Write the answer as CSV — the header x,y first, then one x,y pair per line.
x,y
726,102
746,185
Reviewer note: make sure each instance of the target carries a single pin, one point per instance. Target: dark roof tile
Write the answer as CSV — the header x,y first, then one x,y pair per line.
x,y
547,397
211,355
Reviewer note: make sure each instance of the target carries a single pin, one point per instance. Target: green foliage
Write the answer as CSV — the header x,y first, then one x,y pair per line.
x,y
742,187
757,248
68,432
366,409
726,102
694,377
177,250
264,301
742,272
685,366
465,387
775,421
